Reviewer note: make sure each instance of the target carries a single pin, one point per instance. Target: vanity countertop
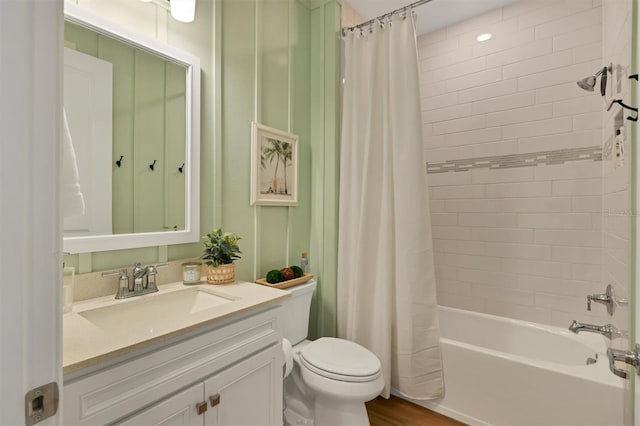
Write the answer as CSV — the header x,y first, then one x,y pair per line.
x,y
86,344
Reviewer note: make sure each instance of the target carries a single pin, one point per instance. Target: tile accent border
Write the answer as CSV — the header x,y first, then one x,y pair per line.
x,y
560,156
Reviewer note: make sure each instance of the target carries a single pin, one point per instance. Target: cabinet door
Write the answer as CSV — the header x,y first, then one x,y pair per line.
x,y
247,394
178,410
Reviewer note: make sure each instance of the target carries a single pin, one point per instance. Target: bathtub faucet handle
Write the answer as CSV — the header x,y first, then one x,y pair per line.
x,y
608,299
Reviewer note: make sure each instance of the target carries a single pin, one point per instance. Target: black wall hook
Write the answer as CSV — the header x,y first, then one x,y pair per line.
x,y
119,162
181,168
623,105
633,77
152,166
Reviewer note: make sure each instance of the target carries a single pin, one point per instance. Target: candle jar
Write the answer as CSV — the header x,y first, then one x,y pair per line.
x,y
191,272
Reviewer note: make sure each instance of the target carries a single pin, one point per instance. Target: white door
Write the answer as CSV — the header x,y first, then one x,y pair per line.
x,y
31,35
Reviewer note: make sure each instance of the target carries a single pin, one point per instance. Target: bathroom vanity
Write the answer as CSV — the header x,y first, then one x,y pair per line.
x,y
192,355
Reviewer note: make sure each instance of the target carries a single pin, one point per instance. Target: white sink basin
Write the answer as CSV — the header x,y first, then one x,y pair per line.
x,y
155,311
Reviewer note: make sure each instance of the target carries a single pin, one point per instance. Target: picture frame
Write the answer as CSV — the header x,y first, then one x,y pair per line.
x,y
274,167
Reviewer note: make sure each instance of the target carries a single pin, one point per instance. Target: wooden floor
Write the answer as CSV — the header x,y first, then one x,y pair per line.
x,y
398,412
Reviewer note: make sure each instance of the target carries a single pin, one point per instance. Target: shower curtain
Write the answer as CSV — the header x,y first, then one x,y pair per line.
x,y
386,284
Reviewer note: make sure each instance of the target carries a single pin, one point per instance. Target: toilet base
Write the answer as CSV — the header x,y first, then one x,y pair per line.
x,y
332,412
291,418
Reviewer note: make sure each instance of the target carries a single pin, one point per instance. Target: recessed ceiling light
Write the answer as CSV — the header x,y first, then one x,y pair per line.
x,y
484,37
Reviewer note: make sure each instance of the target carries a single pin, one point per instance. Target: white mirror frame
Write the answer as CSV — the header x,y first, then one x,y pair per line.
x,y
191,233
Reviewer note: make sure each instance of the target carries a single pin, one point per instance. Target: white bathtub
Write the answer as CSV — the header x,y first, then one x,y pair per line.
x,y
499,371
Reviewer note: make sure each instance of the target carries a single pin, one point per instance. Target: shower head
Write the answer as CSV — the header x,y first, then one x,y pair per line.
x,y
589,83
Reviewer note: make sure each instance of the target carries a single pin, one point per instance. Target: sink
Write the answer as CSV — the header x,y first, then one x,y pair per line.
x,y
153,313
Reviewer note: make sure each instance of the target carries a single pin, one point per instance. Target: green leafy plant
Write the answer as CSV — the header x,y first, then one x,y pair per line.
x,y
220,248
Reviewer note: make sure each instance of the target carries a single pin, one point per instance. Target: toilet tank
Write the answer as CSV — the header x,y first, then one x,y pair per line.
x,y
296,312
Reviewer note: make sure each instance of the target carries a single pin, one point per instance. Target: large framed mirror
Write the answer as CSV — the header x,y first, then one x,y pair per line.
x,y
132,120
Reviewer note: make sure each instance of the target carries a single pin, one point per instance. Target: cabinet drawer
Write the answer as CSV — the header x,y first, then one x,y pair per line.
x,y
111,394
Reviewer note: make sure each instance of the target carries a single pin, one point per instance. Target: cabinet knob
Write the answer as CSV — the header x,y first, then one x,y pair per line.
x,y
201,407
215,399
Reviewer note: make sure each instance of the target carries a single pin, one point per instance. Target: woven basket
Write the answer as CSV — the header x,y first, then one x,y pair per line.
x,y
223,274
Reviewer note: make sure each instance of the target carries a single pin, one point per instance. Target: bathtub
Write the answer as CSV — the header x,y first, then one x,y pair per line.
x,y
499,371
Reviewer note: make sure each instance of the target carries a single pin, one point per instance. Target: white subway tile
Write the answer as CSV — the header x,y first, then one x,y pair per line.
x,y
450,178
491,134
488,220
516,54
463,53
553,285
503,234
460,69
578,238
561,303
577,187
519,115
517,190
521,312
446,113
444,219
459,247
551,12
588,35
569,170
488,91
537,268
503,103
588,121
586,204
480,78
537,128
508,205
451,233
436,206
518,251
516,174
441,101
460,124
585,272
453,192
461,301
438,47
562,92
469,261
503,295
494,278
538,64
586,18
559,141
579,106
498,44
555,76
581,255
453,287
472,151
555,221
588,52
443,272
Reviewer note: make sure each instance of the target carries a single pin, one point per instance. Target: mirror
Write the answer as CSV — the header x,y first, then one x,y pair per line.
x,y
132,110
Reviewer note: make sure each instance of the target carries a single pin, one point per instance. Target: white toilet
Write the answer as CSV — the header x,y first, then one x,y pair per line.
x,y
331,378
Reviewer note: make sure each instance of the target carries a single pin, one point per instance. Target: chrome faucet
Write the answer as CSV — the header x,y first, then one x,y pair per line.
x,y
143,280
609,330
608,299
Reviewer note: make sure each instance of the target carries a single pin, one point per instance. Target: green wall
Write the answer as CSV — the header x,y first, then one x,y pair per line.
x,y
275,62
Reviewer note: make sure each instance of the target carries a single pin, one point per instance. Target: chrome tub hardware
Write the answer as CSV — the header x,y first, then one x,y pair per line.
x,y
609,330
143,280
608,298
628,357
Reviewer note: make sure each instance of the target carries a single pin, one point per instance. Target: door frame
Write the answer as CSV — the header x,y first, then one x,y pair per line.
x,y
31,34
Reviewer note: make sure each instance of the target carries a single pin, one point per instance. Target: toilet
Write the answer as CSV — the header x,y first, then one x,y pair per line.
x,y
330,379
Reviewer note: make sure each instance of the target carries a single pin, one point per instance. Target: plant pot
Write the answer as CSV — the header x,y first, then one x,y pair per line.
x,y
223,274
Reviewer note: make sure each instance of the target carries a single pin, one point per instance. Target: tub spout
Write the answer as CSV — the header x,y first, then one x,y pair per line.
x,y
609,330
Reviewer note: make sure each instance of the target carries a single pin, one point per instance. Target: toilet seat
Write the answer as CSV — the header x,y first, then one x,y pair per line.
x,y
340,359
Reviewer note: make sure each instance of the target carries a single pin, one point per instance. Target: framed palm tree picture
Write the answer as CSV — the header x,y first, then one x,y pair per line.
x,y
274,167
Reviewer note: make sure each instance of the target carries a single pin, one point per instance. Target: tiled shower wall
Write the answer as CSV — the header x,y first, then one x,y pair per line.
x,y
516,234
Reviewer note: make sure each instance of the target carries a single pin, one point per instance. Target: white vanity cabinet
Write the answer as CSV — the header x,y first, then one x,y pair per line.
x,y
226,375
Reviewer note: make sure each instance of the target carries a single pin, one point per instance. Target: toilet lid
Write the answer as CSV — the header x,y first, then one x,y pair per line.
x,y
340,359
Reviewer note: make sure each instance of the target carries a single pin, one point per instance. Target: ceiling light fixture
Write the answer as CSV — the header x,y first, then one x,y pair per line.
x,y
183,10
484,37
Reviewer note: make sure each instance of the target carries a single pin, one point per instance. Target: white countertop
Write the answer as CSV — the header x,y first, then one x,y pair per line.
x,y
86,345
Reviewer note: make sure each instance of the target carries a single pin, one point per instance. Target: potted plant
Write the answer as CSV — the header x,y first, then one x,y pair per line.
x,y
220,250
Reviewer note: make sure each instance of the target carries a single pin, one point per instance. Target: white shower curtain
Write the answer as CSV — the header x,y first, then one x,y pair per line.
x,y
386,284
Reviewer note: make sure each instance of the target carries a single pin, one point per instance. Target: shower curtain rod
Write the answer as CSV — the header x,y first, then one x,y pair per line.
x,y
393,12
